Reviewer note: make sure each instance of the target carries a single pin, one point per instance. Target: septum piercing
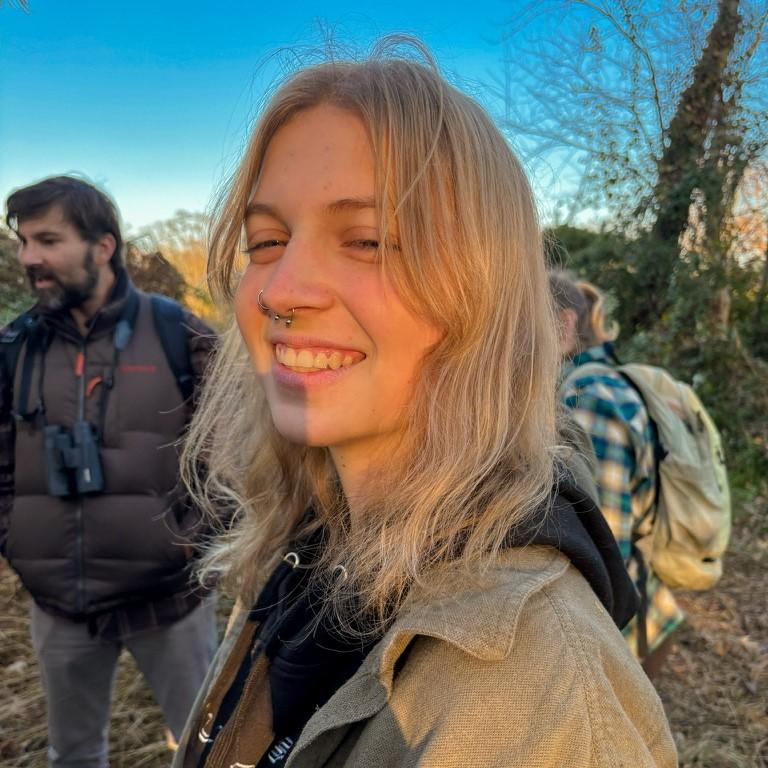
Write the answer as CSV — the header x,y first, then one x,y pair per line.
x,y
276,316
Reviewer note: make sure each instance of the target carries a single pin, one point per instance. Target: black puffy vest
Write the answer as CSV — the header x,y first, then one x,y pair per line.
x,y
82,555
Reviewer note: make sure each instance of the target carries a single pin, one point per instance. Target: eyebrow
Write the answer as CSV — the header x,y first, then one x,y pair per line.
x,y
264,208
337,206
351,204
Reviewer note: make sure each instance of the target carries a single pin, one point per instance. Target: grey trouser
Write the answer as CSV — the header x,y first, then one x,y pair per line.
x,y
78,670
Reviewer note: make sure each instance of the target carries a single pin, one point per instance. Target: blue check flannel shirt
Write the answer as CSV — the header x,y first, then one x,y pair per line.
x,y
611,412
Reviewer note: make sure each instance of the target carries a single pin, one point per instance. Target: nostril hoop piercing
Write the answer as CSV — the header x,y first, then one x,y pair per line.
x,y
276,316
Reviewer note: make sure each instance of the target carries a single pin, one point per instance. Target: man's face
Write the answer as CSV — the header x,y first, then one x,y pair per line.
x,y
59,262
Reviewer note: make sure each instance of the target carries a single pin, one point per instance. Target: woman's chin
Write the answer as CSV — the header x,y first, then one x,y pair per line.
x,y
300,433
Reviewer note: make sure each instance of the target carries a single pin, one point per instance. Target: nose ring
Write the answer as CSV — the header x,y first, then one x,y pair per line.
x,y
276,316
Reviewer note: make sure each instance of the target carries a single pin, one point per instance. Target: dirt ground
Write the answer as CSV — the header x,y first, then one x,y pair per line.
x,y
714,686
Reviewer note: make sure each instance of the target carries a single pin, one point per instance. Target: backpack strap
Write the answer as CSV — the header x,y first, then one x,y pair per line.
x,y
11,343
29,330
169,324
120,337
642,610
659,452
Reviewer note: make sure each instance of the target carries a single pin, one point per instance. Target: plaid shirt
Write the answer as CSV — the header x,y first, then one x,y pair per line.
x,y
134,617
611,412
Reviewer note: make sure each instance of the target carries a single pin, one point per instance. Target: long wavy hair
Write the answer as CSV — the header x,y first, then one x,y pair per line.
x,y
478,439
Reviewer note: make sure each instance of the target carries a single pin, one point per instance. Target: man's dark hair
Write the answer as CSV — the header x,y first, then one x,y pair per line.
x,y
89,210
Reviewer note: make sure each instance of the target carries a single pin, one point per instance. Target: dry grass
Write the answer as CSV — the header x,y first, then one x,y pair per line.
x,y
136,731
714,687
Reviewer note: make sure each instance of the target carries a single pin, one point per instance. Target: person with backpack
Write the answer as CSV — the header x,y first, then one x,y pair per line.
x,y
659,468
419,580
97,384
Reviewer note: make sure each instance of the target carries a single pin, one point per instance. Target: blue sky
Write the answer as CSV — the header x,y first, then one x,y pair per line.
x,y
153,100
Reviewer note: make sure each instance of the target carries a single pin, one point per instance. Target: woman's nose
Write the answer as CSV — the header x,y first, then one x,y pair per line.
x,y
296,282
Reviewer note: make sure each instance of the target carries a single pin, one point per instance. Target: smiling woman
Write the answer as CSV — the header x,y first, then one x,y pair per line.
x,y
342,374
408,549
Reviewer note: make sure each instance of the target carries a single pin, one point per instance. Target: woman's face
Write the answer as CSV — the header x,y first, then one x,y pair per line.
x,y
342,372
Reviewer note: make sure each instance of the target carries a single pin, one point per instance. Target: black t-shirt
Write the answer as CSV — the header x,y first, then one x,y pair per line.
x,y
309,657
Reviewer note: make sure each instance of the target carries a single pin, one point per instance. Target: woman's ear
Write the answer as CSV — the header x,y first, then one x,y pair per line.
x,y
568,321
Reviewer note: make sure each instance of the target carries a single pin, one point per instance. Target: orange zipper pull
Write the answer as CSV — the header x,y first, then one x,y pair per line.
x,y
80,364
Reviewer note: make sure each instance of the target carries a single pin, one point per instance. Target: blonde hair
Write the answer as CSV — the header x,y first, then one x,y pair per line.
x,y
588,302
476,455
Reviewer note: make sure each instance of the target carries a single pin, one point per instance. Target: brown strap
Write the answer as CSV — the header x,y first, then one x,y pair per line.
x,y
248,734
216,694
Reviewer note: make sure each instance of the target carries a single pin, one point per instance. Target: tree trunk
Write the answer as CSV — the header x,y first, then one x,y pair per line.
x,y
699,105
759,334
700,111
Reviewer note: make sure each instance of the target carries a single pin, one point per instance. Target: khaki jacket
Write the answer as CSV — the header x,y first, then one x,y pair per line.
x,y
527,670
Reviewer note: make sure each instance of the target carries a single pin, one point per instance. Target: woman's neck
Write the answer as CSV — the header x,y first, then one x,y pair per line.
x,y
359,467
352,469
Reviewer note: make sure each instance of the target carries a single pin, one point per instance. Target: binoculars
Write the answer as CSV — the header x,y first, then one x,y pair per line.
x,y
72,461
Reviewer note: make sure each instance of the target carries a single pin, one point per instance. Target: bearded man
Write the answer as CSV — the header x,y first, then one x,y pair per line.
x,y
91,515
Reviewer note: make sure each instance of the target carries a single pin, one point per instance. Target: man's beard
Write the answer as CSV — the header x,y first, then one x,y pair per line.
x,y
64,295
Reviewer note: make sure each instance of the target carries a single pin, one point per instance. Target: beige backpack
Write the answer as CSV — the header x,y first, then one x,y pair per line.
x,y
686,533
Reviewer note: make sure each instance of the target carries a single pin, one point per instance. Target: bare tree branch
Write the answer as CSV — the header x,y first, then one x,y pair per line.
x,y
632,39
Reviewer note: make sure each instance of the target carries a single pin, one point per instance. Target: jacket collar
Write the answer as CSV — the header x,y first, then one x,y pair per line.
x,y
600,353
480,619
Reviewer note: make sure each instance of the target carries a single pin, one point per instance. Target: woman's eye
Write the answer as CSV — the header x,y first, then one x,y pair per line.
x,y
265,251
263,245
363,249
370,249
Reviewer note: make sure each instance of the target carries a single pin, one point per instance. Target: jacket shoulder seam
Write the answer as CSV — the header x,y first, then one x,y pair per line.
x,y
575,644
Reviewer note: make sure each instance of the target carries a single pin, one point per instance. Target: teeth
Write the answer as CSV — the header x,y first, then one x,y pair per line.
x,y
306,359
